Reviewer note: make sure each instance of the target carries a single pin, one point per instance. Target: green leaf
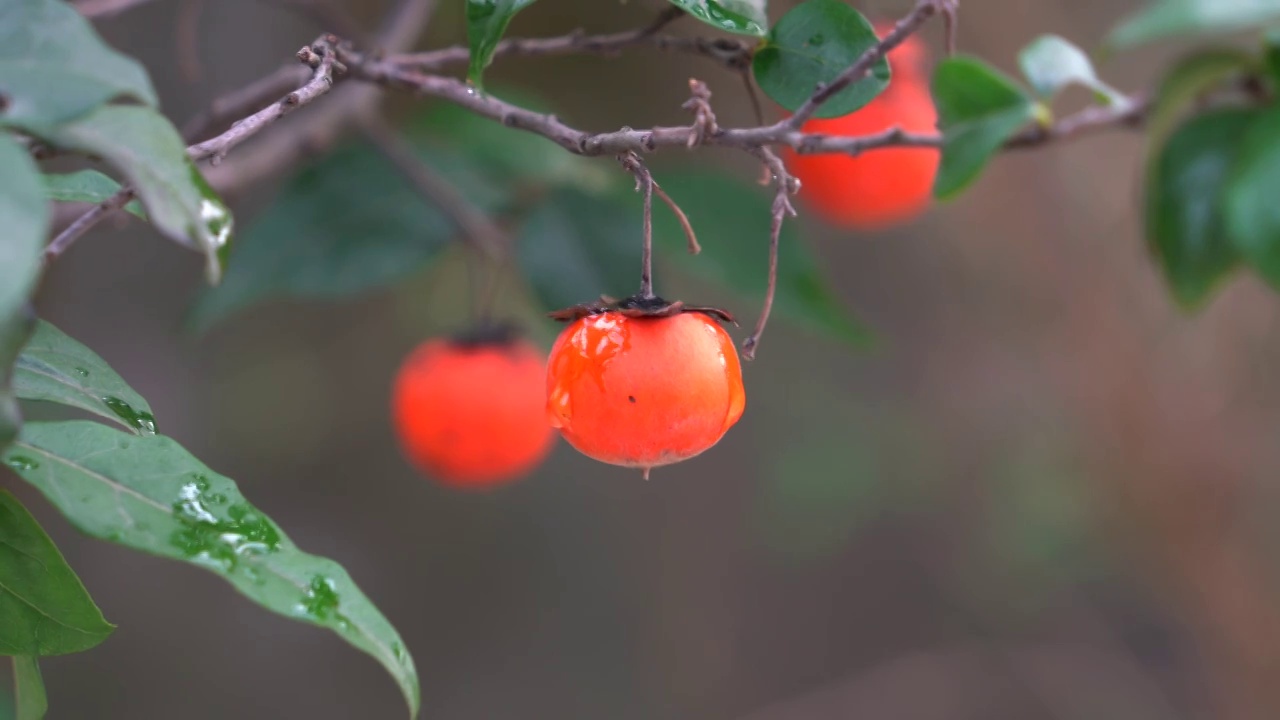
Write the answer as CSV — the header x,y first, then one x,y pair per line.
x,y
732,219
813,44
1251,212
979,108
1271,52
44,608
486,22
14,331
86,186
1184,197
28,689
744,17
54,67
149,494
144,146
343,226
1188,80
1051,63
53,367
1167,18
575,247
24,220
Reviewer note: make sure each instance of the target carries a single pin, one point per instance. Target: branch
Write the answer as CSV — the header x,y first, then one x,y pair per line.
x,y
782,208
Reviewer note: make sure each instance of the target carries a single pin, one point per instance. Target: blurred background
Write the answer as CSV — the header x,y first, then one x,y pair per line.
x,y
1043,493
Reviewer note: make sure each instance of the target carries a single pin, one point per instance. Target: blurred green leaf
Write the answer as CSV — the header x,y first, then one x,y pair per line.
x,y
486,22
86,186
814,43
1051,63
1271,52
1184,198
575,247
1167,18
744,17
144,146
731,218
25,219
54,67
28,689
1251,212
342,226
53,367
44,608
979,108
149,494
1187,81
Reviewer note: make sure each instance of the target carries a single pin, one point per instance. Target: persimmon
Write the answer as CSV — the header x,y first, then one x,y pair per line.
x,y
880,187
643,391
470,411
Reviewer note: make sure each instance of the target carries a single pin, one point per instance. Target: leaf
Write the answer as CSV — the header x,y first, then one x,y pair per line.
x,y
1051,63
86,186
813,44
53,367
14,331
575,247
1186,82
28,689
149,494
979,108
486,22
1184,196
24,220
744,17
44,608
145,147
342,226
54,67
732,219
1167,18
1251,213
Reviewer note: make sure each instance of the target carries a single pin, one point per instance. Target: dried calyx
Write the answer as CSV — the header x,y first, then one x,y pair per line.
x,y
637,306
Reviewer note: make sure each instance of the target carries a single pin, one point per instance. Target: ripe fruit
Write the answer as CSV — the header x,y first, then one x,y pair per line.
x,y
880,187
472,412
644,391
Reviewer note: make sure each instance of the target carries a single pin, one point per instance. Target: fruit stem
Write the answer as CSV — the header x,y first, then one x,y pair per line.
x,y
775,231
646,251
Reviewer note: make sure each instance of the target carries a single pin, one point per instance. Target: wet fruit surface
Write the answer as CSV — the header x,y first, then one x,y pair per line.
x,y
472,413
644,391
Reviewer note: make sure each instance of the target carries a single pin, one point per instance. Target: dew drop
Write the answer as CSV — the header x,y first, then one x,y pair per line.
x,y
817,39
21,463
82,372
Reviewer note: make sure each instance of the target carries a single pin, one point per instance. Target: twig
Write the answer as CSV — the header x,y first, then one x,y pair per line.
x,y
1132,111
782,207
644,183
239,102
474,225
106,8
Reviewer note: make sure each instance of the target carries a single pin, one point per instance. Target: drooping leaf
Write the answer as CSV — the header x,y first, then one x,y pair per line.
x,y
813,44
345,225
744,17
28,689
487,21
146,148
54,67
44,608
1051,63
54,367
732,218
575,247
1167,18
1186,82
86,186
24,223
1251,212
14,331
979,108
149,494
1184,200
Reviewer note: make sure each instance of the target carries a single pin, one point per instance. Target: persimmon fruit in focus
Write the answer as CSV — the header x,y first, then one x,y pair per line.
x,y
880,187
643,392
472,412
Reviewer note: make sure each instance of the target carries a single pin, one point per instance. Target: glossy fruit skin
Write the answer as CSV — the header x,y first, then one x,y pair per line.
x,y
879,188
472,414
644,391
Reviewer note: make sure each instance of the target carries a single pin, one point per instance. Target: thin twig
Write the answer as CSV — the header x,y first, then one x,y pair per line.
x,y
690,236
644,184
781,209
242,101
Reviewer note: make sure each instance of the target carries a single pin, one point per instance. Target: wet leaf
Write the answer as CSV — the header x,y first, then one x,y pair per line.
x,y
1186,82
24,220
86,186
1167,18
149,494
1251,213
487,21
28,689
744,17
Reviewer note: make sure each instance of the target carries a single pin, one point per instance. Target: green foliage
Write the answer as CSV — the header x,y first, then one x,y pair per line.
x,y
54,367
44,608
1251,211
744,17
25,219
979,109
486,22
14,330
1184,193
1187,81
813,44
1051,63
149,494
28,689
1167,18
86,186
54,68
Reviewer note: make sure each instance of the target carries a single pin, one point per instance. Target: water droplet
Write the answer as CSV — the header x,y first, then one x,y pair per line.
x,y
21,463
398,651
321,599
82,372
817,39
143,422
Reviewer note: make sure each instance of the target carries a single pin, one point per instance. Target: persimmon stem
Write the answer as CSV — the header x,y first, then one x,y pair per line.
x,y
782,207
646,252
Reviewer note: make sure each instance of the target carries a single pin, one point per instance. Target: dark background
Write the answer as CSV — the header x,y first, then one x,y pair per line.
x,y
1045,494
